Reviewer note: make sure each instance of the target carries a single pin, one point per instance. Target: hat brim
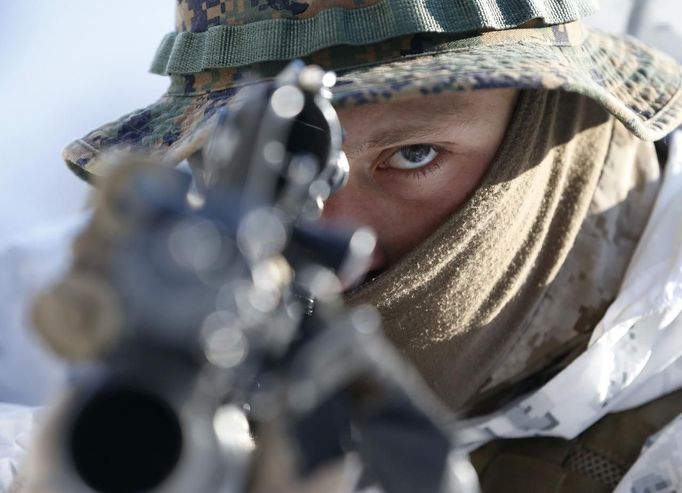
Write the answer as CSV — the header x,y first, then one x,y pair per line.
x,y
638,85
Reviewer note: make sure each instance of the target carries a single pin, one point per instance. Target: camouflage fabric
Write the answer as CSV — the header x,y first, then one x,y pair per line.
x,y
593,462
592,273
200,15
244,35
659,467
638,85
203,15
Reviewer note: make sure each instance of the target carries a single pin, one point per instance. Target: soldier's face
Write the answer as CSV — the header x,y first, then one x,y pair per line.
x,y
413,163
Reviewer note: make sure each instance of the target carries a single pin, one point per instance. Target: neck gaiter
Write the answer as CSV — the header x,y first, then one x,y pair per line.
x,y
457,303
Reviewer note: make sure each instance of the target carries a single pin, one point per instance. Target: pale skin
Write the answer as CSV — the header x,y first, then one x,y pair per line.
x,y
413,163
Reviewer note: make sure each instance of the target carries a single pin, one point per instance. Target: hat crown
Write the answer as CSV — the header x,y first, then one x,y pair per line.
x,y
200,15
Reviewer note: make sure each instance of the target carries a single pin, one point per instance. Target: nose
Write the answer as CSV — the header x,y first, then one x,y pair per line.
x,y
354,206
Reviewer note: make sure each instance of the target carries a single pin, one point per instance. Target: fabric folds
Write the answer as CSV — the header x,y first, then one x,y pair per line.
x,y
456,304
258,37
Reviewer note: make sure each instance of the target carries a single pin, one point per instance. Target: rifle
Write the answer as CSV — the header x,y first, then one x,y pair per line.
x,y
191,316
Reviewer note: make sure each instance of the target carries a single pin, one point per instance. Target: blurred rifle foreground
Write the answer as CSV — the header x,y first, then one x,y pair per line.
x,y
187,313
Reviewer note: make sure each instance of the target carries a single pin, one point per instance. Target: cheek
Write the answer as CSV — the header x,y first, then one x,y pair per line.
x,y
411,213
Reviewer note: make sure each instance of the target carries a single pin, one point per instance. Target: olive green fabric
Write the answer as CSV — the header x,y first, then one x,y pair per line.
x,y
456,304
230,45
593,462
386,51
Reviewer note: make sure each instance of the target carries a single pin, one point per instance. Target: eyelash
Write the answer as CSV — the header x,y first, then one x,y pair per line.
x,y
419,173
416,173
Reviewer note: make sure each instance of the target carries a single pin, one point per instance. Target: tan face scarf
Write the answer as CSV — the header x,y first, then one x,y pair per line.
x,y
459,302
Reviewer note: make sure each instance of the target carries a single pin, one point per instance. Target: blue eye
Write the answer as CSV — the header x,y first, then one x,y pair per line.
x,y
413,157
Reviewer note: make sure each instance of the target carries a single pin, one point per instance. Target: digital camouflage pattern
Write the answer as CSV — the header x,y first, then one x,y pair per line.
x,y
639,85
200,15
593,270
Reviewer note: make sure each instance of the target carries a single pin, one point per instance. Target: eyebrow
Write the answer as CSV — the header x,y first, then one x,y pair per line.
x,y
423,123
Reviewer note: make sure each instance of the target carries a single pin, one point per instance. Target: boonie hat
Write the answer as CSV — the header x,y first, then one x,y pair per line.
x,y
385,50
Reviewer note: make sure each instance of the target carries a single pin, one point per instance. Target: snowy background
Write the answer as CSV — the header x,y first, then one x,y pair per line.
x,y
69,67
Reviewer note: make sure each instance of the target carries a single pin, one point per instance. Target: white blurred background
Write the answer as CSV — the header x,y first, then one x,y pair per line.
x,y
68,67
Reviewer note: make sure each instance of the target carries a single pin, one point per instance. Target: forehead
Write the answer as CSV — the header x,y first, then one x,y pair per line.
x,y
386,124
